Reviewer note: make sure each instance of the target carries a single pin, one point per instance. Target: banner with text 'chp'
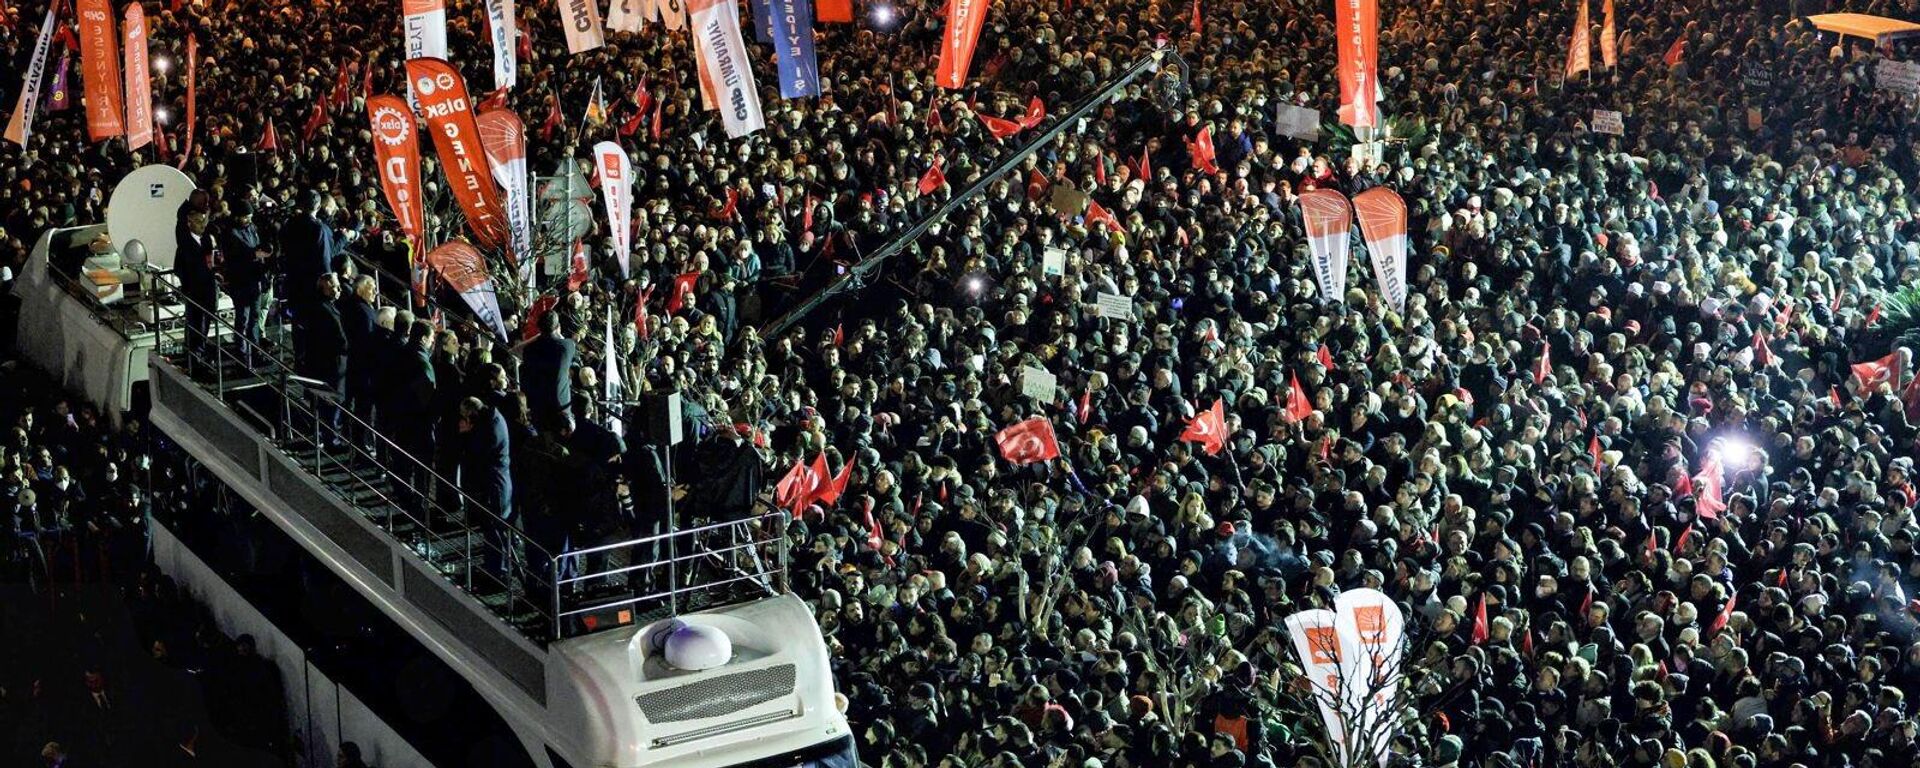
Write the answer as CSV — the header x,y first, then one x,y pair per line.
x,y
725,67
443,99
580,19
503,22
100,65
964,20
1383,222
1357,23
1329,223
139,84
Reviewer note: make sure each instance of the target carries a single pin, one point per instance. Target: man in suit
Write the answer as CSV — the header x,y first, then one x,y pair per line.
x,y
323,351
248,270
546,372
359,318
308,249
486,476
410,424
196,262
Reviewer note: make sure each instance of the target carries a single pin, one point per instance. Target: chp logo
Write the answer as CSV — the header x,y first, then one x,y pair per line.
x,y
427,86
392,127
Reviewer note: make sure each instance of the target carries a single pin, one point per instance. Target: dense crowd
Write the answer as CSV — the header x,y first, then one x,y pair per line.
x,y
1592,321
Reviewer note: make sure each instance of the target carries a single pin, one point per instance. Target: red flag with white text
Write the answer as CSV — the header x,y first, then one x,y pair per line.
x,y
1357,31
100,65
442,95
962,36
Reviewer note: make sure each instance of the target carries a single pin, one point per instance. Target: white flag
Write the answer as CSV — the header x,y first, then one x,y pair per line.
x,y
616,187
725,66
426,28
627,15
20,127
504,21
1370,627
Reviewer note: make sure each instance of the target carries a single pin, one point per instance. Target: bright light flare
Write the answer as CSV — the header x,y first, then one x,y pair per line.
x,y
161,64
883,16
160,115
1737,453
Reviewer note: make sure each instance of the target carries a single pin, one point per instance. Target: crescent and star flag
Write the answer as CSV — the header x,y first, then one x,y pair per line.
x,y
964,19
1609,38
1708,500
1478,635
1028,442
270,138
20,125
835,11
463,268
1208,428
1000,128
1676,53
1324,354
503,136
1383,224
1543,365
100,67
1201,148
139,77
836,487
1873,373
1035,115
724,65
682,291
580,19
424,22
1329,221
932,180
500,22
1096,214
1580,44
616,188
442,96
1357,29
793,44
1298,406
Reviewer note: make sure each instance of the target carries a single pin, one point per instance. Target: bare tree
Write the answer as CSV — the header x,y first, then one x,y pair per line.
x,y
1372,701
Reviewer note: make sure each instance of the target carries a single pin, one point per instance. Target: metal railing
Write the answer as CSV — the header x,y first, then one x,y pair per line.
x,y
548,592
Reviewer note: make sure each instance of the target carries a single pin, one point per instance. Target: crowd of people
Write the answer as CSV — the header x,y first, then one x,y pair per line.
x,y
1592,320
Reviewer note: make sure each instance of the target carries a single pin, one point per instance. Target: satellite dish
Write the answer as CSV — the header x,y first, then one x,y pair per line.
x,y
145,206
697,647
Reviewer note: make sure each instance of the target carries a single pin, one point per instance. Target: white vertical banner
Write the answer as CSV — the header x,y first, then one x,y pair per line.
x,y
1383,222
725,66
20,126
616,187
426,28
1370,627
1317,641
580,20
628,15
673,13
504,22
1329,222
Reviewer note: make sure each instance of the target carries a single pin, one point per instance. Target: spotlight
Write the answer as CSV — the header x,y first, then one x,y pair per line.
x,y
160,115
883,16
162,64
1736,453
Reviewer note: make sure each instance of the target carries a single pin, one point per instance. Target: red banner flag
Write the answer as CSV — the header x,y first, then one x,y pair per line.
x,y
139,83
964,19
1480,631
1028,442
1708,502
442,95
1298,406
1036,113
193,99
837,487
932,180
1676,53
1762,353
270,138
1001,129
834,11
396,150
1208,428
100,65
1726,614
1037,185
1201,148
1609,38
1324,354
1357,27
1580,43
1593,450
1543,366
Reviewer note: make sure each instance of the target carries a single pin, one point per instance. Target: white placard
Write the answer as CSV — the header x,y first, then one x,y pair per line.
x,y
1898,76
1296,122
1038,384
1053,261
1608,121
1114,306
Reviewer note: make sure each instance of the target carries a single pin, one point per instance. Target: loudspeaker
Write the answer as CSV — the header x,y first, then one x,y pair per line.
x,y
665,418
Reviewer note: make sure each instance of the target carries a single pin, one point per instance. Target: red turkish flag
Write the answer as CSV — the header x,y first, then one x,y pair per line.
x,y
1480,631
1593,449
1202,150
1208,428
1676,52
1325,355
1036,113
838,486
1542,366
1028,442
1099,168
1037,185
1000,129
1680,544
1099,215
682,291
932,180
1726,614
1873,373
1298,406
270,141
1707,500
1762,354
795,487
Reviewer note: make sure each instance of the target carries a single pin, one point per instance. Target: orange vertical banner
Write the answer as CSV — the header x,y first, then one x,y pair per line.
x,y
1357,25
100,63
442,94
193,96
964,19
139,82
